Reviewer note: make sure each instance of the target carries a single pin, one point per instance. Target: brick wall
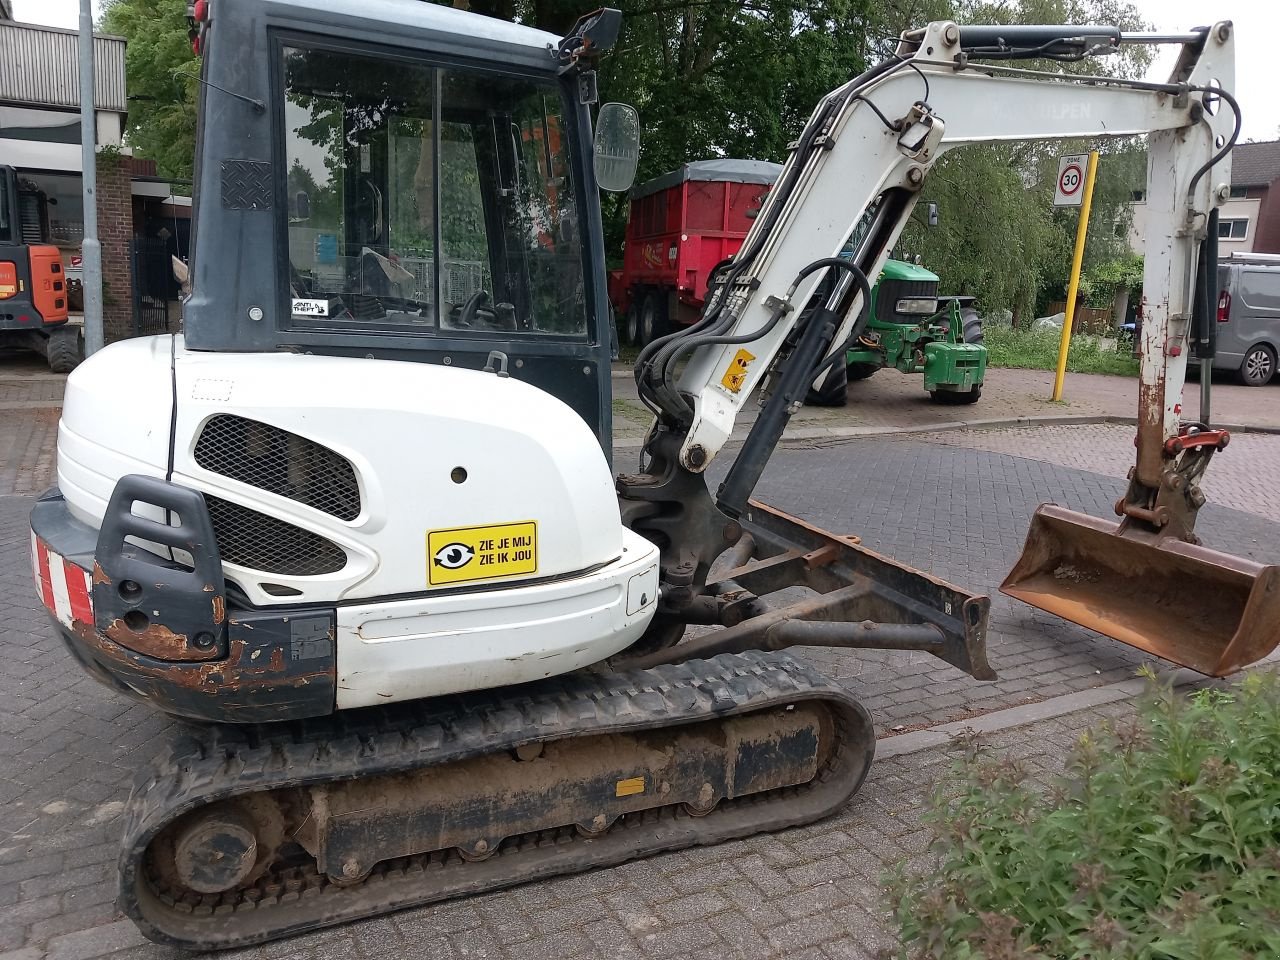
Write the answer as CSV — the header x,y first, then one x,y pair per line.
x,y
115,231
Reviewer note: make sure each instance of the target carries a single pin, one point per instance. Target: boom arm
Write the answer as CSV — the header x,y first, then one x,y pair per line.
x,y
870,146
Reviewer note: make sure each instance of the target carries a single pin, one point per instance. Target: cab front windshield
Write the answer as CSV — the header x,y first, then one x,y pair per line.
x,y
427,199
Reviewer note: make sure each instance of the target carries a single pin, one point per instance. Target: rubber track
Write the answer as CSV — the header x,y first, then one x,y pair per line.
x,y
204,765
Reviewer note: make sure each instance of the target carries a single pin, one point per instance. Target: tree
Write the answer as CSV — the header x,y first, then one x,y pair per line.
x,y
714,78
160,68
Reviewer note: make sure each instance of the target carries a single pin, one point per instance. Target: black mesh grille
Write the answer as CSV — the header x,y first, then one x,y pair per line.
x,y
261,542
280,462
889,292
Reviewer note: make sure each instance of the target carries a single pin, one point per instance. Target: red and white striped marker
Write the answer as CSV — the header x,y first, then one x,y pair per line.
x,y
64,587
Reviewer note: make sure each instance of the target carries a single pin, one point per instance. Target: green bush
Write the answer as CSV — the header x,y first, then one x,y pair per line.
x,y
1038,350
1162,842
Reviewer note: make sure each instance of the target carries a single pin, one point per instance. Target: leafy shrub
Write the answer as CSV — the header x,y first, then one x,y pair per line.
x,y
1162,842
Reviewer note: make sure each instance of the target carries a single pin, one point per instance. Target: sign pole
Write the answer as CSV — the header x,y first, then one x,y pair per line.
x,y
91,249
1082,228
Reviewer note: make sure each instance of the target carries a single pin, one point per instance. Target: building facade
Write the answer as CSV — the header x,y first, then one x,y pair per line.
x,y
40,138
1249,222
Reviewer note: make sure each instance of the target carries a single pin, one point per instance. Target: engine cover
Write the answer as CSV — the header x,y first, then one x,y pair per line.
x,y
336,479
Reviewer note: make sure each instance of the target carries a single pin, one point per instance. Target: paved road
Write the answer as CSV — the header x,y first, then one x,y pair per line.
x,y
70,746
1241,477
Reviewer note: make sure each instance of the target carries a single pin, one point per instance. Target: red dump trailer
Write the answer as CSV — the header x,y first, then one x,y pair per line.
x,y
680,226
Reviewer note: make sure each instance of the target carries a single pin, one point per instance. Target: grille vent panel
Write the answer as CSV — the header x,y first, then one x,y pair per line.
x,y
279,462
255,540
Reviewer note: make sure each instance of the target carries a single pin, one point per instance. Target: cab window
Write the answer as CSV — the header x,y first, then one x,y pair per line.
x,y
428,200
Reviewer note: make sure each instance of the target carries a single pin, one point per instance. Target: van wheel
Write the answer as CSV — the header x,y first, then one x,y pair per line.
x,y
1259,366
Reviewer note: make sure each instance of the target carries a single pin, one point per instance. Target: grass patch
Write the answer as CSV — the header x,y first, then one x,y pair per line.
x,y
1038,350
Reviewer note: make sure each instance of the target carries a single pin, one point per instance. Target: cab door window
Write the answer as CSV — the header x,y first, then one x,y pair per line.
x,y
424,199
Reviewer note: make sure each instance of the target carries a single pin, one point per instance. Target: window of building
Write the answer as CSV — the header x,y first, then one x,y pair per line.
x,y
424,199
1233,229
1139,196
46,126
1239,193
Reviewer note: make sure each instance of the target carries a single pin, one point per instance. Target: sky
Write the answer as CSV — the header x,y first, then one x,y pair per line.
x,y
1255,20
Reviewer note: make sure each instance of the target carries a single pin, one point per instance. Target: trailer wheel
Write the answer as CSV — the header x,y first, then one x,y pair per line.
x,y
631,322
653,317
64,351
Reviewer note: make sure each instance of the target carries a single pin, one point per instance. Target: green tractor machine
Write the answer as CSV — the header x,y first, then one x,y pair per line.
x,y
915,331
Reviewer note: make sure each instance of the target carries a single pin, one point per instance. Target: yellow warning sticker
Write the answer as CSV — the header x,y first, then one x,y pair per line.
x,y
629,787
736,375
479,553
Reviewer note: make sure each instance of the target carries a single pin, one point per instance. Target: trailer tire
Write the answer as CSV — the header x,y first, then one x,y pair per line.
x,y
653,317
64,350
860,371
631,321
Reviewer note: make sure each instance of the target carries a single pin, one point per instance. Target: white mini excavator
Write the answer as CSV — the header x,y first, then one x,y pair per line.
x,y
359,521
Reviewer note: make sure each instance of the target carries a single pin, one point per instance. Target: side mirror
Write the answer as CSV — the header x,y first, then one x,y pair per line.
x,y
617,147
933,214
303,203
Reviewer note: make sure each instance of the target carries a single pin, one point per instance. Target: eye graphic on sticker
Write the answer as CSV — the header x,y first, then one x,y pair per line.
x,y
454,555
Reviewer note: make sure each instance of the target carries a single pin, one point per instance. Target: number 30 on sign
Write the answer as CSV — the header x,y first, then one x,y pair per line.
x,y
1070,187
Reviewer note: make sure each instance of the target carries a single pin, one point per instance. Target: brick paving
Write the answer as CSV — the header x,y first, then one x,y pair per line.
x,y
68,747
28,449
30,398
1241,477
816,893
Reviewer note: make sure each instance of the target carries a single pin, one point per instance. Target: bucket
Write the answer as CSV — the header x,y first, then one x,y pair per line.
x,y
1196,607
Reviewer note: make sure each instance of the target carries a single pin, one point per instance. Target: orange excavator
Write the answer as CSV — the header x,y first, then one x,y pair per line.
x,y
33,287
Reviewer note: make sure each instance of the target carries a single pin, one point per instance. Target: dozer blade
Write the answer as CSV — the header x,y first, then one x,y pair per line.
x,y
1196,607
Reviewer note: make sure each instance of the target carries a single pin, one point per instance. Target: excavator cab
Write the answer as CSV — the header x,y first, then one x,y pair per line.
x,y
436,208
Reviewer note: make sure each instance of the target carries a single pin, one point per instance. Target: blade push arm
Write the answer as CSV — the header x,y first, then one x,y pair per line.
x,y
867,151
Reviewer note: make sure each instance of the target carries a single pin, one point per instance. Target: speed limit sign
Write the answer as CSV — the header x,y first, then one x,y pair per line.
x,y
1070,189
